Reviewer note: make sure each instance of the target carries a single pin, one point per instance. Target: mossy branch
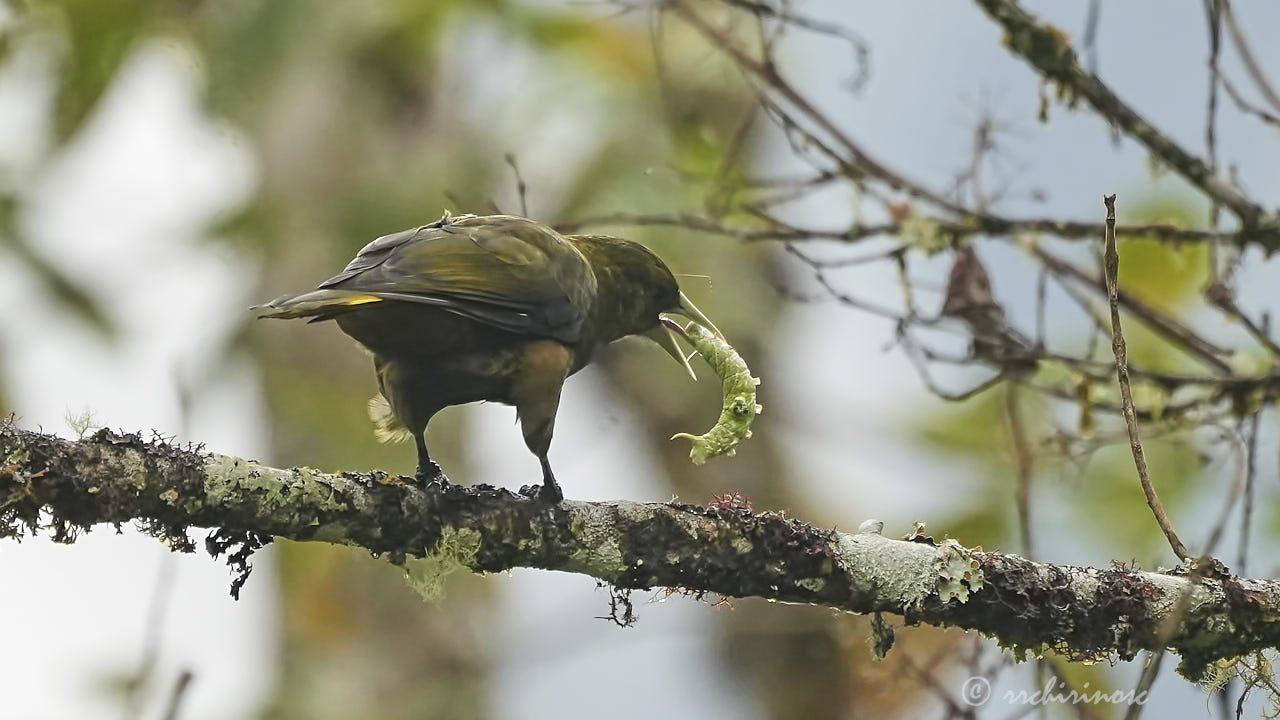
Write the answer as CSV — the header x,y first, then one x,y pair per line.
x,y
1048,50
49,484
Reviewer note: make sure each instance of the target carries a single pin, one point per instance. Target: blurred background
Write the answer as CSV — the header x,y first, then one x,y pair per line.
x,y
165,165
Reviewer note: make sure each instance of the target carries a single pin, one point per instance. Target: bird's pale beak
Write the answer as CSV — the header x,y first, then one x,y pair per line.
x,y
691,311
666,339
665,334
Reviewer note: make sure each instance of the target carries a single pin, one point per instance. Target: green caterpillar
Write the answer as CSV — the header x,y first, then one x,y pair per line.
x,y
736,384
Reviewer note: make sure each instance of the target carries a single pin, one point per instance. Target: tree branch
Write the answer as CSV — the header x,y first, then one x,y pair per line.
x,y
986,224
1048,50
1111,271
48,483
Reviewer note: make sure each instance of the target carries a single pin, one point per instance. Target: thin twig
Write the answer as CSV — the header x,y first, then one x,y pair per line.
x,y
1177,333
1042,291
1148,678
1169,627
1213,10
1247,57
955,708
161,594
1084,710
179,691
1221,296
1234,491
767,73
1246,513
1048,50
972,225
1246,106
521,188
1022,464
1111,268
1090,40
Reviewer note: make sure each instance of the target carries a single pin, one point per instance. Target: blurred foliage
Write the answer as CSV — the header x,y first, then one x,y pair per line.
x,y
359,643
72,297
1168,277
96,38
366,118
370,117
1164,275
975,432
1097,472
1106,500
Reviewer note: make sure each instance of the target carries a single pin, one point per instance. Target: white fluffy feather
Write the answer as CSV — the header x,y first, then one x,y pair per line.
x,y
386,426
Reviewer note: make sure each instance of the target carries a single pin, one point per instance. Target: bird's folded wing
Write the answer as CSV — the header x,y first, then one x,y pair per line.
x,y
509,273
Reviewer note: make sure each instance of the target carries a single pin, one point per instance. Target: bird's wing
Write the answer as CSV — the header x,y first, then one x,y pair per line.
x,y
503,271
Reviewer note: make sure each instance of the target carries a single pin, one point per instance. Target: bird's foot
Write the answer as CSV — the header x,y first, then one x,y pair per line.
x,y
549,493
430,477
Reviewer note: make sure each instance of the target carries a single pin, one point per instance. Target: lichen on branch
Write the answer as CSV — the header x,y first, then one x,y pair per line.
x,y
63,487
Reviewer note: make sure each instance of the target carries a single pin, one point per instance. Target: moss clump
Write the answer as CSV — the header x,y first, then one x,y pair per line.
x,y
456,550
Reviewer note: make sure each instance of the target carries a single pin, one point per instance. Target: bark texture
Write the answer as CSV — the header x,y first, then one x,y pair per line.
x,y
64,487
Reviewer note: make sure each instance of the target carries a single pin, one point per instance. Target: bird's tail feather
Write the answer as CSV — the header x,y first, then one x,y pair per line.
x,y
386,426
315,303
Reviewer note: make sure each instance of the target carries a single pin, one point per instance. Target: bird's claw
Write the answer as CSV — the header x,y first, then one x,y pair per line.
x,y
548,493
431,477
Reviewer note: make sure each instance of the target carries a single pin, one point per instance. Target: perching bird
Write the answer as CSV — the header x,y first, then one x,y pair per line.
x,y
496,308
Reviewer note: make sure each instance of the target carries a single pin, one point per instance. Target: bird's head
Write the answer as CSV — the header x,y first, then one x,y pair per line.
x,y
634,288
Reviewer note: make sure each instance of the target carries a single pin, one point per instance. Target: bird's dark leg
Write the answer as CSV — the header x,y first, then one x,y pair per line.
x,y
544,365
429,473
550,490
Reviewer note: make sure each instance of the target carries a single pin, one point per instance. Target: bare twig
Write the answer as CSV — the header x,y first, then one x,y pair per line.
x,y
956,230
1145,681
179,692
1246,106
1111,267
1251,64
767,73
1090,40
160,597
785,15
521,188
1222,297
1198,572
1176,332
1049,51
1213,10
1246,514
1022,465
930,681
